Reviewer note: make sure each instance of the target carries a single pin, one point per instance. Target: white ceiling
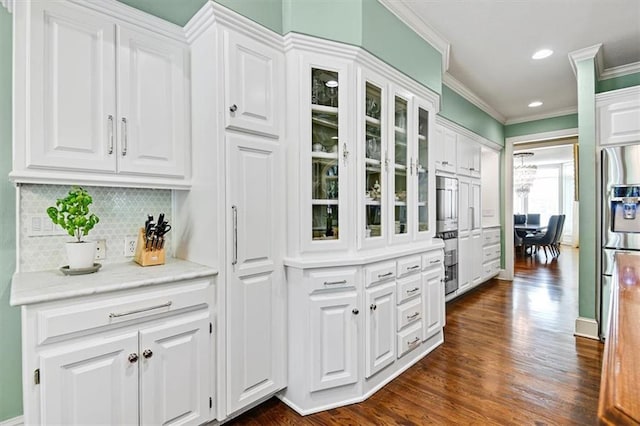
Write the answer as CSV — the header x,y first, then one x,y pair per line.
x,y
491,43
547,155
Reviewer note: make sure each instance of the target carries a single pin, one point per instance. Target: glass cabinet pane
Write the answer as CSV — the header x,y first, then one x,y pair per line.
x,y
373,161
400,165
421,170
325,166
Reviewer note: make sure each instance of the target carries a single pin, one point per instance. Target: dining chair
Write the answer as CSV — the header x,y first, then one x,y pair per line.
x,y
518,241
519,219
555,246
545,240
533,219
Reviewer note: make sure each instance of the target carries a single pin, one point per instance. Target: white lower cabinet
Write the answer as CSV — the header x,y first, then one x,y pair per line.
x,y
121,357
379,327
354,328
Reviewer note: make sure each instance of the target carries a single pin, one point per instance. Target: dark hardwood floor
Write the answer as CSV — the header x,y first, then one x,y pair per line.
x,y
509,357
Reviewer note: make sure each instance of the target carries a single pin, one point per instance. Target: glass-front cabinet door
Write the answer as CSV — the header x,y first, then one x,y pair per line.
x,y
421,170
401,168
325,155
373,163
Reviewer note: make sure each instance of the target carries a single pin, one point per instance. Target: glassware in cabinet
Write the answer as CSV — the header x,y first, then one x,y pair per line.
x,y
324,154
373,167
401,166
422,168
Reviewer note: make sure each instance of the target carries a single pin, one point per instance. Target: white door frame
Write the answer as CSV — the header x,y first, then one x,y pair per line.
x,y
508,187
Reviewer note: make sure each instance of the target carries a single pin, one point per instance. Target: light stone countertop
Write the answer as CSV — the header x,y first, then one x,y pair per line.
x,y
44,286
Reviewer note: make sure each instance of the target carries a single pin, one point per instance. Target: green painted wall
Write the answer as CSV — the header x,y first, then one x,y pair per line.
x,y
618,83
339,20
10,364
587,176
388,38
459,110
541,126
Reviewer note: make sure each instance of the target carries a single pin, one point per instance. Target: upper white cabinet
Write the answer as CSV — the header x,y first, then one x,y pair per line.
x,y
618,116
98,100
445,149
468,157
253,84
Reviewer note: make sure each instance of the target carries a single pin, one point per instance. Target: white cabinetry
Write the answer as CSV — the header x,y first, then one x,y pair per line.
x,y
380,305
469,234
491,252
133,356
445,149
98,100
618,116
468,157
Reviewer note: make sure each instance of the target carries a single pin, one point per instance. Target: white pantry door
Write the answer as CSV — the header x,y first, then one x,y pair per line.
x,y
256,298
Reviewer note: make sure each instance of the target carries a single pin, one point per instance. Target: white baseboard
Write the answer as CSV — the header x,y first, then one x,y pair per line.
x,y
586,327
16,421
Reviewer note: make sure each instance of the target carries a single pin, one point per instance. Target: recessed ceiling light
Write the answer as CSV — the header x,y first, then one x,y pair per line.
x,y
542,53
535,104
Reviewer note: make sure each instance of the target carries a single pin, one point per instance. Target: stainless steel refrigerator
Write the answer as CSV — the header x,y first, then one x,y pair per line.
x,y
620,213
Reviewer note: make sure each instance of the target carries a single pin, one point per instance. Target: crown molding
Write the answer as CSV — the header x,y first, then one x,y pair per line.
x,y
620,71
410,18
593,52
466,93
7,4
452,125
553,114
203,19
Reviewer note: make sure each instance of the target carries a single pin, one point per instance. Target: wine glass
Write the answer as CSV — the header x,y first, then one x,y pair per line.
x,y
332,93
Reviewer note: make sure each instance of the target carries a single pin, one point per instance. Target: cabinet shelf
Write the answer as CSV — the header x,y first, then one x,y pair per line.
x,y
422,138
401,130
324,109
400,167
400,203
369,202
326,122
331,202
422,203
372,121
326,156
372,162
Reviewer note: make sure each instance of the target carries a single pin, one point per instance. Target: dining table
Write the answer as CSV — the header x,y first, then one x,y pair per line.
x,y
533,228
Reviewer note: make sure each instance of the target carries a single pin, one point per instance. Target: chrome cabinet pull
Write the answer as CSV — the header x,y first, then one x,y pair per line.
x,y
435,261
411,268
410,317
124,136
355,311
233,108
413,290
335,282
411,166
133,358
345,153
110,118
234,209
445,163
373,307
147,353
137,311
413,342
388,274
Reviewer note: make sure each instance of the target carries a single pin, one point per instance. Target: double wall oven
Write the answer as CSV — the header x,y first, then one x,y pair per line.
x,y
447,228
620,201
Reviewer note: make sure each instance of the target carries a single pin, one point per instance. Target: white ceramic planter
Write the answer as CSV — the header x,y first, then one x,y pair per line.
x,y
81,255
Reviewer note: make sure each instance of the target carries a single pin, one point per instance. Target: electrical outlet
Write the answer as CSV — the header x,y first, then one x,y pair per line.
x,y
130,245
101,249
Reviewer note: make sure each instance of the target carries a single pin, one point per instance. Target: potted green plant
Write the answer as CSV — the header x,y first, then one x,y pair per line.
x,y
72,214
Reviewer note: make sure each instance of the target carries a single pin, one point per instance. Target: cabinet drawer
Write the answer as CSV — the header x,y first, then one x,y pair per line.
x,y
490,236
379,272
409,265
490,253
409,312
80,316
409,339
409,287
332,279
432,259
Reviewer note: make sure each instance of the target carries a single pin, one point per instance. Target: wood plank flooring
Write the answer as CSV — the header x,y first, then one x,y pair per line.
x,y
509,358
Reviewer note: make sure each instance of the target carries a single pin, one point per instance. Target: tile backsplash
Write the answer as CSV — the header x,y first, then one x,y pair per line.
x,y
122,212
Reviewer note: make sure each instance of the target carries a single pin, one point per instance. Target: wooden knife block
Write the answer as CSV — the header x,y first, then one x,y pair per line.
x,y
150,257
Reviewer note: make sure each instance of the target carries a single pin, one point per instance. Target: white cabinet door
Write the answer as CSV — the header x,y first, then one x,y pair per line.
x,y
333,340
464,209
153,118
81,383
476,257
437,147
475,201
72,104
475,153
174,371
619,116
450,150
433,303
256,326
464,154
254,73
380,330
465,262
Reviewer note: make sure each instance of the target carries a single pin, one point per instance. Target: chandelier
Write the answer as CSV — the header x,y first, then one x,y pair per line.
x,y
523,174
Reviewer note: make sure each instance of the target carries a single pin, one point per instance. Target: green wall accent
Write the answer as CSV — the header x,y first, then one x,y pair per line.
x,y
10,353
563,122
587,176
628,80
339,20
459,110
388,38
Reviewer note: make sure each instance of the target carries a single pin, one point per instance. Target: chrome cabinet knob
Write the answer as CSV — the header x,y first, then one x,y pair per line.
x,y
355,311
147,353
133,358
233,108
373,307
